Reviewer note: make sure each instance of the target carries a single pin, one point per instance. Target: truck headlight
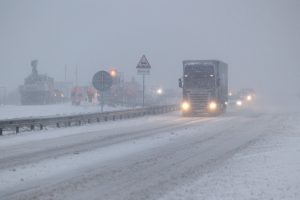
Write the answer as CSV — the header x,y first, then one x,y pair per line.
x,y
212,105
239,103
185,106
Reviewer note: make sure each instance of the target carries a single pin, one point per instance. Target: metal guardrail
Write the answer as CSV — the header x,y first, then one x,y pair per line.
x,y
30,124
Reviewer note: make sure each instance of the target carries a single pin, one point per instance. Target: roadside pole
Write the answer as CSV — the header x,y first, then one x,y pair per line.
x,y
143,90
102,101
143,68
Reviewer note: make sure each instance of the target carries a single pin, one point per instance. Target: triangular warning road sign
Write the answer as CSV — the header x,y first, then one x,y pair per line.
x,y
143,64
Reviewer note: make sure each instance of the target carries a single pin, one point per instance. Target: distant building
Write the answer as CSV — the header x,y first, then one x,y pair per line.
x,y
40,89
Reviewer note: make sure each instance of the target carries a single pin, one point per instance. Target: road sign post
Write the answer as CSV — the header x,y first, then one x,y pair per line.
x,y
102,100
143,68
102,81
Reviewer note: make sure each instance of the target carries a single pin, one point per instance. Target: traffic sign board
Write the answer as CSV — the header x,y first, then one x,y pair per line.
x,y
102,81
143,66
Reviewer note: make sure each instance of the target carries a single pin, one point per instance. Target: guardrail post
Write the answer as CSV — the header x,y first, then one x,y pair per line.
x,y
41,127
17,129
89,121
32,127
1,131
57,125
79,122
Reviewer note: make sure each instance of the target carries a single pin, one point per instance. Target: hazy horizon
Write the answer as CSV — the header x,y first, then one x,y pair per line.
x,y
258,39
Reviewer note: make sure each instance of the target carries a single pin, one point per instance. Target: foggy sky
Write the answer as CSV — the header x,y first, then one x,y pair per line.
x,y
259,39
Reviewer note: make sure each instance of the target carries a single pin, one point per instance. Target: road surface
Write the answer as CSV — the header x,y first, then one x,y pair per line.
x,y
144,158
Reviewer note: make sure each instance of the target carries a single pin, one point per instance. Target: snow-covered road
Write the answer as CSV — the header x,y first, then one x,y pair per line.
x,y
169,157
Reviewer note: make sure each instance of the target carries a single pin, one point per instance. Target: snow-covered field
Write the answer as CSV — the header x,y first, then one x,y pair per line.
x,y
267,169
244,154
10,111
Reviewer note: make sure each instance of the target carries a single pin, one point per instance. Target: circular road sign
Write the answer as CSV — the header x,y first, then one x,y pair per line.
x,y
102,81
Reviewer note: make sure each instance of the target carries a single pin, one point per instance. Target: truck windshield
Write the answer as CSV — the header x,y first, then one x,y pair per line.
x,y
199,76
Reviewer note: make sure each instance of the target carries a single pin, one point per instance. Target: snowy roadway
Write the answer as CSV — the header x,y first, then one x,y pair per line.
x,y
240,155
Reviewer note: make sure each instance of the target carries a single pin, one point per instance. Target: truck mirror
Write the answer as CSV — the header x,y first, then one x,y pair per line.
x,y
180,83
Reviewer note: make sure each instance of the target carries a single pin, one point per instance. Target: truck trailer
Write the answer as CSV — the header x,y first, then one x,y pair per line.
x,y
204,87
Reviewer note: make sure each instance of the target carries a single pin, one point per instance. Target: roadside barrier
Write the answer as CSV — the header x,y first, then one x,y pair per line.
x,y
30,124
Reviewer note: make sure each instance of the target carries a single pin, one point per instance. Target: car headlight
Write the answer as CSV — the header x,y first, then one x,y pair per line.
x,y
249,98
239,103
185,106
212,105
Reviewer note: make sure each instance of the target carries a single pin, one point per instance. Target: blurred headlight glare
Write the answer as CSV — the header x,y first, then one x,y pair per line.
x,y
239,103
249,98
185,106
212,105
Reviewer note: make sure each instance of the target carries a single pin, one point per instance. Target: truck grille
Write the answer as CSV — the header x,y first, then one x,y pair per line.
x,y
199,101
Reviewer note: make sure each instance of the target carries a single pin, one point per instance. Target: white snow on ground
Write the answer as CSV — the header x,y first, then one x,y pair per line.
x,y
20,176
267,169
12,111
33,136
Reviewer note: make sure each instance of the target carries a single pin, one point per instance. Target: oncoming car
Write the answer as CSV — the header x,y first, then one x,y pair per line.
x,y
242,98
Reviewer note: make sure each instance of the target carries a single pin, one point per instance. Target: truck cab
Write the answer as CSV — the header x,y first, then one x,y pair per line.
x,y
204,87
